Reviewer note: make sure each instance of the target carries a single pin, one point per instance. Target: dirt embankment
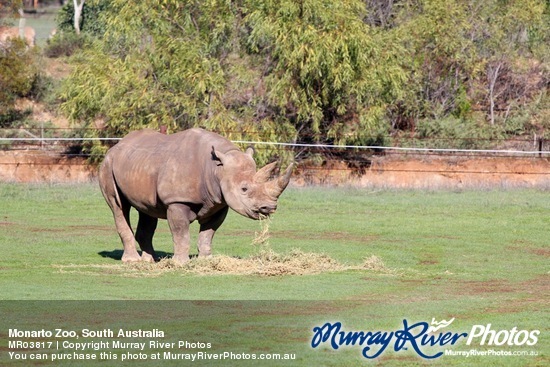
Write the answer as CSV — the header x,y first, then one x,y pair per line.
x,y
433,173
382,172
39,166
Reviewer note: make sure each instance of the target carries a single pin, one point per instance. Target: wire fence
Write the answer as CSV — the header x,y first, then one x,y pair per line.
x,y
400,145
64,149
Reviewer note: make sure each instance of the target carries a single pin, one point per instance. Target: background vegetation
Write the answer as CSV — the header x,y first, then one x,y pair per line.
x,y
18,67
343,71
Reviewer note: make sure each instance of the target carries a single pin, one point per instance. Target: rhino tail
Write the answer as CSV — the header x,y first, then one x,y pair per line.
x,y
107,183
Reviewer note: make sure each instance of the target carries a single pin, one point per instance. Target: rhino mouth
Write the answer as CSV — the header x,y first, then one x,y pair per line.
x,y
262,212
266,210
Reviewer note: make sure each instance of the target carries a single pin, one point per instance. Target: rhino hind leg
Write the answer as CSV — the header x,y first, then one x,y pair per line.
x,y
125,232
121,211
144,235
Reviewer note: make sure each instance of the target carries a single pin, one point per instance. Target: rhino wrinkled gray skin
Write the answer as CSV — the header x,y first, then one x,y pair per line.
x,y
183,177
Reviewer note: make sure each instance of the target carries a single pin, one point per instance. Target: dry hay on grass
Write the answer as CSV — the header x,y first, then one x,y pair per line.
x,y
263,262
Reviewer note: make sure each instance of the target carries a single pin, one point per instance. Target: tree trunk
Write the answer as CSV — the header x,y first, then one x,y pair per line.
x,y
77,14
493,76
22,22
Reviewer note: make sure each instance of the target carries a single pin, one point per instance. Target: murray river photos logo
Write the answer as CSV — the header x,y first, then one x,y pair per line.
x,y
423,338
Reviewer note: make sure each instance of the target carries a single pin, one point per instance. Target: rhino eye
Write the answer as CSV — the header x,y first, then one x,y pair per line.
x,y
244,189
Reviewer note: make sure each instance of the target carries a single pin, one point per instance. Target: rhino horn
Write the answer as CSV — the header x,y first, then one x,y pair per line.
x,y
264,174
276,186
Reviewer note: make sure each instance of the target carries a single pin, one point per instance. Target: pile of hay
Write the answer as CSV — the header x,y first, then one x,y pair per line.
x,y
267,263
264,263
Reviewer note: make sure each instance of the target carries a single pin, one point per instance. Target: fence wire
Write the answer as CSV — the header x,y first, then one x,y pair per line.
x,y
358,158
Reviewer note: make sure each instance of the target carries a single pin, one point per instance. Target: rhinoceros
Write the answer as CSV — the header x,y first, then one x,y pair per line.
x,y
183,177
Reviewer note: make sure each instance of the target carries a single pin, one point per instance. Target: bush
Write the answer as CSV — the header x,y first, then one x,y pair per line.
x,y
18,73
9,116
64,44
452,132
91,20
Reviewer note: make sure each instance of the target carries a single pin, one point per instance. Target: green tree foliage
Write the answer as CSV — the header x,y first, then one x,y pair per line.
x,y
91,19
346,71
311,66
328,72
18,68
473,55
18,73
158,63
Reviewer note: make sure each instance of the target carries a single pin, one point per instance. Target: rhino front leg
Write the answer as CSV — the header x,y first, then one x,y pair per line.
x,y
207,231
179,217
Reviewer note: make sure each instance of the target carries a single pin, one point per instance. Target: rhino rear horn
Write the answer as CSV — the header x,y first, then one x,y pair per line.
x,y
265,173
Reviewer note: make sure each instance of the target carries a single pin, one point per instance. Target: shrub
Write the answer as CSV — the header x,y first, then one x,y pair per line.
x,y
452,132
64,44
18,73
91,21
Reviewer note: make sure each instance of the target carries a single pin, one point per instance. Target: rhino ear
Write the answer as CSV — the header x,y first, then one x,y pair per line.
x,y
250,151
217,155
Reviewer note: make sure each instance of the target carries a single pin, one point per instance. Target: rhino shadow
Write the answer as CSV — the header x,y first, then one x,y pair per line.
x,y
117,254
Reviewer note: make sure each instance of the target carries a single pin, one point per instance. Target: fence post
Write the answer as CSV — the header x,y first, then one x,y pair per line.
x,y
540,146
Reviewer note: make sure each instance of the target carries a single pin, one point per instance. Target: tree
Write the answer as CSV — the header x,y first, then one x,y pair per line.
x,y
328,73
91,18
18,68
77,14
152,68
468,55
18,71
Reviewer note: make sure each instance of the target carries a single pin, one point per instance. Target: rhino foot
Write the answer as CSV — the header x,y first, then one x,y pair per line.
x,y
180,259
147,257
134,257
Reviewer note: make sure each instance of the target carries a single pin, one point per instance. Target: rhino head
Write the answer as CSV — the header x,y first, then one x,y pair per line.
x,y
250,193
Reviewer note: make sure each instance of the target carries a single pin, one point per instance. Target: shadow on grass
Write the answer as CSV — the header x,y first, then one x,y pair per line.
x,y
117,254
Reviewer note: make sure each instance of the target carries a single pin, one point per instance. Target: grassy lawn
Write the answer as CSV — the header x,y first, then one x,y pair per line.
x,y
478,256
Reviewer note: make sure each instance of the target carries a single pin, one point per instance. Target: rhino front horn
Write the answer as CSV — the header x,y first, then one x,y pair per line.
x,y
276,186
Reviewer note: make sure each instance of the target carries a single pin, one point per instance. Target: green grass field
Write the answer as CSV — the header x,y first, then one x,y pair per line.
x,y
478,256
